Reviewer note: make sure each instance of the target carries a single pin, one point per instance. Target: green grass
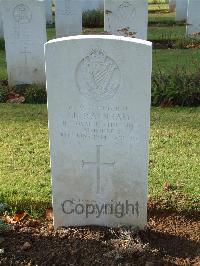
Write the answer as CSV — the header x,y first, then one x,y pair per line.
x,y
168,61
162,17
3,70
24,157
166,33
51,33
175,157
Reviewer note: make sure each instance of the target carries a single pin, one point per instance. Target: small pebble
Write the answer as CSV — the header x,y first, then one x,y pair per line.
x,y
1,250
26,246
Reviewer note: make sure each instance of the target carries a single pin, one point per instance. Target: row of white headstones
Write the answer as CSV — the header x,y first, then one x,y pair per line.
x,y
25,28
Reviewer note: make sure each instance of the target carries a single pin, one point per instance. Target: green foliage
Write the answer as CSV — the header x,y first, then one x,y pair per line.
x,y
2,44
20,89
4,90
35,94
177,88
3,207
93,19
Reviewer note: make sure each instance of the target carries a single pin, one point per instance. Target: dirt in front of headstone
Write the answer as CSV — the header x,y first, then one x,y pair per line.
x,y
169,239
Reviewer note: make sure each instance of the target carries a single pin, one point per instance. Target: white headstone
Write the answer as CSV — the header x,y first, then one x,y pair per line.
x,y
99,110
1,23
25,34
181,10
68,17
193,18
48,10
126,18
92,5
1,28
172,5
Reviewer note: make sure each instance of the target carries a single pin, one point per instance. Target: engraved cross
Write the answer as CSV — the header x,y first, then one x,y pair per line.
x,y
67,7
98,165
25,52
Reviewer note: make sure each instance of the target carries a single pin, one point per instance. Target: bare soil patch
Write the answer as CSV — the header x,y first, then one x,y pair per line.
x,y
169,239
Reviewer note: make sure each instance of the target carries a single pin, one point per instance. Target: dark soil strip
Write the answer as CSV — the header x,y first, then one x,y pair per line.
x,y
170,239
163,44
167,23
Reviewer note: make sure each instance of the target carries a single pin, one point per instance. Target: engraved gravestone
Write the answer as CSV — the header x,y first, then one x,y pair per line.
x,y
48,11
181,10
68,17
126,18
193,19
25,35
1,27
99,111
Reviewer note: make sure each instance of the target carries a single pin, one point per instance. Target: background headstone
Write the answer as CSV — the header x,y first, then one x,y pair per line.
x,y
25,34
92,5
1,23
172,5
193,18
48,10
99,111
181,10
126,18
68,17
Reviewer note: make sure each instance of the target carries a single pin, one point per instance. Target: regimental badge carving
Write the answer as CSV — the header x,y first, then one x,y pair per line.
x,y
22,14
98,76
126,12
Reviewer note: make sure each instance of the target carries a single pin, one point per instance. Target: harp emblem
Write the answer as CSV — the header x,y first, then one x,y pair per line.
x,y
98,76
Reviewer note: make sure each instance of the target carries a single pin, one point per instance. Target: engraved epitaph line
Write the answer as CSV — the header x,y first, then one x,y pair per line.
x,y
98,164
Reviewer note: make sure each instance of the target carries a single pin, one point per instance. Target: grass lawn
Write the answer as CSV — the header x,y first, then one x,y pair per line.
x,y
24,157
168,60
166,33
162,17
3,70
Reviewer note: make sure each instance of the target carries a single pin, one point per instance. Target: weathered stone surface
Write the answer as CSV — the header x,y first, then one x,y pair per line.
x,y
1,23
181,10
48,11
126,18
25,35
68,17
99,111
193,18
